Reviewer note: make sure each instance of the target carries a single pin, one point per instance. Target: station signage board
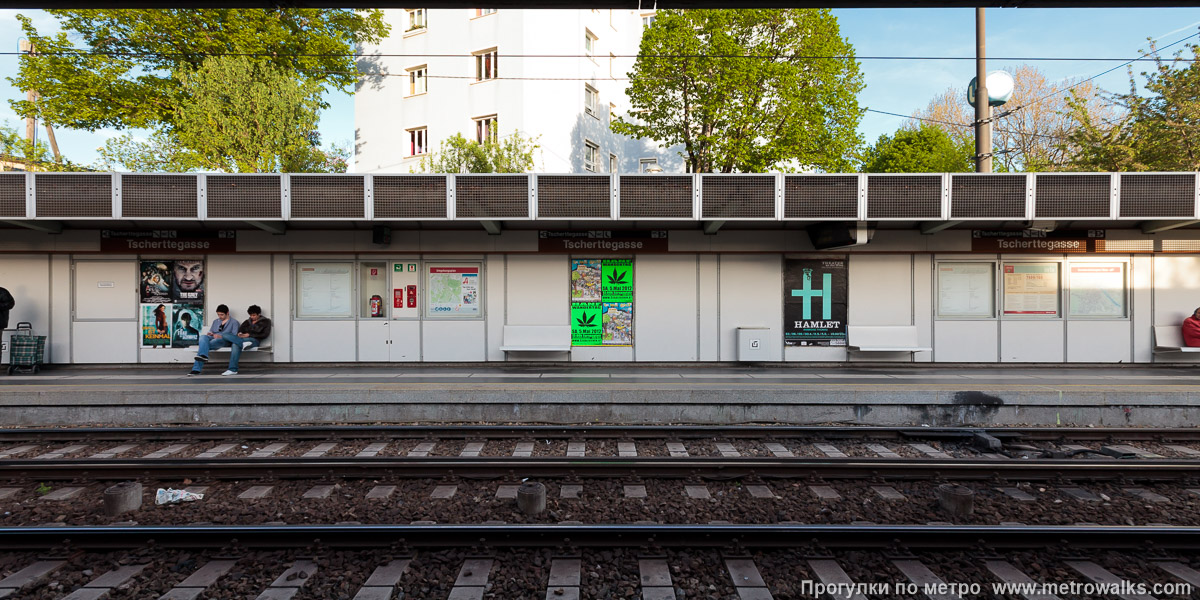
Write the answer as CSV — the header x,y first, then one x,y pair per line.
x,y
1037,242
168,241
601,242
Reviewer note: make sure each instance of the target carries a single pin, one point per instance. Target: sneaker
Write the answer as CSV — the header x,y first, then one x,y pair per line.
x,y
246,344
194,372
229,373
202,358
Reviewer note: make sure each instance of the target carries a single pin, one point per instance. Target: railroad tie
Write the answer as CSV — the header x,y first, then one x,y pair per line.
x,y
1094,573
1185,573
61,452
1134,450
319,492
760,491
1080,494
63,493
216,451
1007,573
1148,495
576,449
192,587
918,573
381,492
523,450
472,449
30,575
422,449
824,492
747,580
169,450
831,574
727,450
102,585
112,452
443,492
564,579
570,491
1017,494
830,450
635,491
697,492
779,450
1185,450
256,492
472,579
507,491
8,492
319,450
268,450
288,584
887,492
882,451
383,582
626,449
11,452
677,450
929,451
372,450
655,579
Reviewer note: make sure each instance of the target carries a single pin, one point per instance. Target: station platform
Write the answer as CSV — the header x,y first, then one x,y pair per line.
x,y
911,394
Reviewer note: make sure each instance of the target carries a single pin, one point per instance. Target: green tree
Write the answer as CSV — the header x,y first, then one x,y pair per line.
x,y
34,155
1157,129
124,76
159,153
744,90
510,154
923,150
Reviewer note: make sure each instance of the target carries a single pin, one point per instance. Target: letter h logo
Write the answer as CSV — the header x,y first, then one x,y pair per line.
x,y
808,293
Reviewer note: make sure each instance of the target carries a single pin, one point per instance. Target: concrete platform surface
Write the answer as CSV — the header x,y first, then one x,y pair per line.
x,y
885,395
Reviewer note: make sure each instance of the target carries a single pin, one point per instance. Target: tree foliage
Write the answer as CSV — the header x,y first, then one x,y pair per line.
x,y
1158,130
509,154
126,73
744,90
34,155
923,150
1029,130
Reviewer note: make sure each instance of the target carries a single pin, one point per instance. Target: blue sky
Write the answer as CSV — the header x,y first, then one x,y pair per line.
x,y
892,86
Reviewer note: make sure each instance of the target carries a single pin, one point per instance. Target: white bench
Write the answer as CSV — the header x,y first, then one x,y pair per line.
x,y
883,338
265,346
536,338
1169,338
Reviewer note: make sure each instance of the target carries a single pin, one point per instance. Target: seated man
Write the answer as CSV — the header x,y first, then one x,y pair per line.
x,y
252,333
214,337
1191,330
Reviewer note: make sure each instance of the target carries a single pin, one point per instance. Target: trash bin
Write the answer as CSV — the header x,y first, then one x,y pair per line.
x,y
754,345
26,351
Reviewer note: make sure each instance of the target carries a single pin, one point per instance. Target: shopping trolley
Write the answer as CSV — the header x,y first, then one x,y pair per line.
x,y
27,351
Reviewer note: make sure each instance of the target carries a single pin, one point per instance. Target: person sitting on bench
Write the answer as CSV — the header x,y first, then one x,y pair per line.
x,y
1191,329
215,337
252,333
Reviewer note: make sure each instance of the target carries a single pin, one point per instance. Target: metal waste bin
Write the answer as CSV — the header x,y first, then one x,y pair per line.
x,y
753,344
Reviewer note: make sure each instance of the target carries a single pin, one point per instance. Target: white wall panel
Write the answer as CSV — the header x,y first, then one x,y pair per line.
x,y
602,354
177,356
281,308
881,293
1176,295
324,341
106,290
60,310
709,302
406,341
923,307
239,280
373,338
1098,341
1141,278
27,278
751,296
814,354
538,290
495,293
106,342
665,307
966,341
450,341
1032,341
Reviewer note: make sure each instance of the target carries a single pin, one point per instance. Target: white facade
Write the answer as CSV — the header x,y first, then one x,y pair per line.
x,y
555,75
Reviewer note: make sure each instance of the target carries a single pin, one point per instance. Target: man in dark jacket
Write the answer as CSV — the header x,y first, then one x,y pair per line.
x,y
6,304
250,335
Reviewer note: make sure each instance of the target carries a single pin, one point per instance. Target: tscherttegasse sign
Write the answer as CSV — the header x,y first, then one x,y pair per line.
x,y
168,241
603,242
1039,242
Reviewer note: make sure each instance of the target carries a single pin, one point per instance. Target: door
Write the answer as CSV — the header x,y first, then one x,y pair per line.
x,y
104,312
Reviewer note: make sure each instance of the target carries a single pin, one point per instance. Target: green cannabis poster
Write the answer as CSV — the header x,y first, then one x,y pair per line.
x,y
601,302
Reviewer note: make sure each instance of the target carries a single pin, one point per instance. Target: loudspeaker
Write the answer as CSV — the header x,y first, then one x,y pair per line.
x,y
381,234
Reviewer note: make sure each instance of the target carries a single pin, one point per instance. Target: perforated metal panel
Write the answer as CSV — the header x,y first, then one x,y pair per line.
x,y
327,197
1158,195
574,197
243,197
738,197
491,196
904,197
12,194
656,197
820,197
1181,245
987,197
1072,196
61,195
158,196
410,196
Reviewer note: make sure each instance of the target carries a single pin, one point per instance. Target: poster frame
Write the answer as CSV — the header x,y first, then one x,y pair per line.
x,y
1061,290
1126,289
632,301
937,290
830,340
353,291
426,265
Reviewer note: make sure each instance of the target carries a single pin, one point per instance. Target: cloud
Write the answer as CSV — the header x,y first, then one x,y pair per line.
x,y
1181,29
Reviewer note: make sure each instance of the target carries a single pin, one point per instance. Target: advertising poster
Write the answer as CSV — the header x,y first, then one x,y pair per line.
x,y
187,281
454,291
156,325
1098,290
814,302
585,280
186,325
586,324
156,281
602,302
1031,289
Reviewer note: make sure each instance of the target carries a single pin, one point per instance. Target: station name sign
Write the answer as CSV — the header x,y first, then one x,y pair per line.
x,y
168,241
603,242
1030,241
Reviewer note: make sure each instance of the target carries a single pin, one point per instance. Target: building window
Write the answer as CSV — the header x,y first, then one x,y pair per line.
x,y
487,65
418,141
591,156
483,12
589,43
648,165
591,101
418,80
612,163
485,129
647,19
416,19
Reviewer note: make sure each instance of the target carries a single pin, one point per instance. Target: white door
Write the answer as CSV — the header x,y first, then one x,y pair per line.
x,y
104,315
373,340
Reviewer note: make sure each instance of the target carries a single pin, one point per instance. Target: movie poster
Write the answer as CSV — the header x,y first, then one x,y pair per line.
x,y
156,325
814,302
187,281
186,325
156,281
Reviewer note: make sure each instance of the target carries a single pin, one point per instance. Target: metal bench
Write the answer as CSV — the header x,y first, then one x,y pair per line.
x,y
883,338
1169,338
536,338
